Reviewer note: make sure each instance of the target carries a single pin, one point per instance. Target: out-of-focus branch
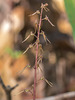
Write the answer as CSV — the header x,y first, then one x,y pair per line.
x,y
7,89
61,96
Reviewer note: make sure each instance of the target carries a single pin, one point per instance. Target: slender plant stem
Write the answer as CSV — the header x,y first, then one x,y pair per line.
x,y
35,73
7,89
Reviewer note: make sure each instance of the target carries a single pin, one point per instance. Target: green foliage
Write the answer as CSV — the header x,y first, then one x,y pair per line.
x,y
12,53
70,8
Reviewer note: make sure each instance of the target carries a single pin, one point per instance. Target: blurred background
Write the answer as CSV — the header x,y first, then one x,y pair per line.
x,y
58,57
